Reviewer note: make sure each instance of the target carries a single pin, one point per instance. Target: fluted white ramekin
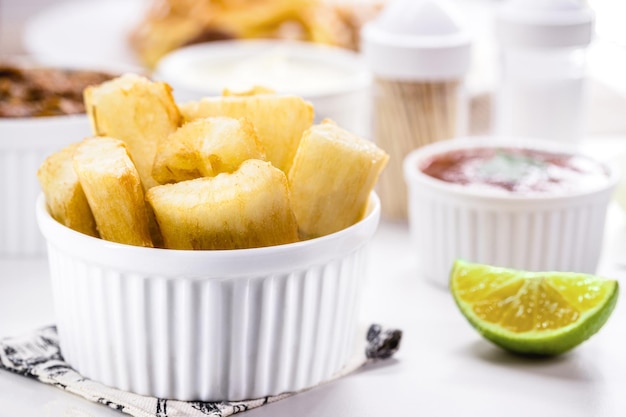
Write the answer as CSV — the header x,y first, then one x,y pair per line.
x,y
530,232
24,145
208,325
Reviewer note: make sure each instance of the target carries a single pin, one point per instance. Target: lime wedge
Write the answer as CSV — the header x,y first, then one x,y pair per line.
x,y
535,313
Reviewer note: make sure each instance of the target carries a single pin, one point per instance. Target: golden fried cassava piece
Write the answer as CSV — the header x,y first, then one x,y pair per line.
x,y
113,189
279,120
64,195
136,110
205,148
253,91
170,24
246,209
331,178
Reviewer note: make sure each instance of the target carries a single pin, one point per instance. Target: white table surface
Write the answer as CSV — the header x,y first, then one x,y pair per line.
x,y
443,368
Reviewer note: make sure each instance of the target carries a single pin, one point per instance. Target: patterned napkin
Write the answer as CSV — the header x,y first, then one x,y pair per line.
x,y
37,355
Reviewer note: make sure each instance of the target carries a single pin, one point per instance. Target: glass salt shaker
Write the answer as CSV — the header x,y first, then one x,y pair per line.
x,y
542,91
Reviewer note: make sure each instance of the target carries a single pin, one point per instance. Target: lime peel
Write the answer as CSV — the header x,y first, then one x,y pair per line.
x,y
472,284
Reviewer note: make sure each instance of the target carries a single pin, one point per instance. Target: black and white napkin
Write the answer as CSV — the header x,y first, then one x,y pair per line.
x,y
37,355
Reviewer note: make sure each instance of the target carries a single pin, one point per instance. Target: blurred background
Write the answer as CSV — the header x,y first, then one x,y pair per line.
x,y
103,26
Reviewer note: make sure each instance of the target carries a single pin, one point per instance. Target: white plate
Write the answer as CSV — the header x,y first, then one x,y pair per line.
x,y
85,34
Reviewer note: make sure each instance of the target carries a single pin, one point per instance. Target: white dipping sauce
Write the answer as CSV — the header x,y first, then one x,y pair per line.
x,y
334,80
275,69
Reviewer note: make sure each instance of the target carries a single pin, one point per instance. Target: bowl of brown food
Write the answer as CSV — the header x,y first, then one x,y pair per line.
x,y
41,111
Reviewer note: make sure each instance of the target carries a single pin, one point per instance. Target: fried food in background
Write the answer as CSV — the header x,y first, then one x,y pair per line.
x,y
136,110
332,176
205,148
113,189
253,91
170,24
65,197
279,120
246,209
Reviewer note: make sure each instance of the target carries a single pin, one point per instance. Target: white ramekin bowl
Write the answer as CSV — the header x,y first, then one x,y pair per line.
x,y
24,144
208,325
346,100
529,232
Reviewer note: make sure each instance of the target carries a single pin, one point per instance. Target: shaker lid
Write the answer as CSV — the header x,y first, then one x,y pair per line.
x,y
415,40
544,23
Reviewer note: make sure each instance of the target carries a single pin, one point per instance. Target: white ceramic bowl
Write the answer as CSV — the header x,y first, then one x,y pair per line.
x,y
208,325
335,80
24,144
530,232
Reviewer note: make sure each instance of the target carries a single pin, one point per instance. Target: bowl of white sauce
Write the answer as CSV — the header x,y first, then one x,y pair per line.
x,y
334,79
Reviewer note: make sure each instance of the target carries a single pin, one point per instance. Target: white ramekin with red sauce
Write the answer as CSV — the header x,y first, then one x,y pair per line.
x,y
513,203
